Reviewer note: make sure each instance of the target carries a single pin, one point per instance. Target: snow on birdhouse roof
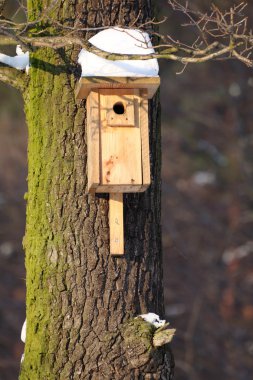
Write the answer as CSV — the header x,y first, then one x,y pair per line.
x,y
119,41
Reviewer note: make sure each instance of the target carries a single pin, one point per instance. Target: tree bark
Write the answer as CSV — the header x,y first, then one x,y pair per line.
x,y
81,302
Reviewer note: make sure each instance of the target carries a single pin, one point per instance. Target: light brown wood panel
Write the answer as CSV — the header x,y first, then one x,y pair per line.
x,y
119,189
120,148
87,84
93,140
145,144
127,118
116,224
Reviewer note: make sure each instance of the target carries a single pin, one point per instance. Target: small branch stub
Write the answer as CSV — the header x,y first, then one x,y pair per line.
x,y
162,337
143,342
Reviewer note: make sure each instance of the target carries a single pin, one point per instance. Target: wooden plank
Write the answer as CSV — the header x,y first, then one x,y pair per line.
x,y
93,140
116,224
145,144
119,189
120,149
87,84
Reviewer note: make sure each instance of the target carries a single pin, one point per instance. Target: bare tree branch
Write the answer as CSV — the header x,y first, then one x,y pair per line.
x,y
198,56
228,28
15,38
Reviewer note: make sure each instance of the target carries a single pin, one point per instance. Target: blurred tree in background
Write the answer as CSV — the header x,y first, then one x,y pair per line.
x,y
207,215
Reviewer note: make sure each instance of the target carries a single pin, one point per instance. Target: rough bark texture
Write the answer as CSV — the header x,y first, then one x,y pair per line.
x,y
80,301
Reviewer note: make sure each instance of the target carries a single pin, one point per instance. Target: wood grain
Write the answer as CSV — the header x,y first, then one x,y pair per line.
x,y
87,84
116,224
93,140
126,97
120,148
145,144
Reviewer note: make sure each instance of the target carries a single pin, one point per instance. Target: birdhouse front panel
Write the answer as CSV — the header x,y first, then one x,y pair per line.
x,y
121,159
118,158
118,147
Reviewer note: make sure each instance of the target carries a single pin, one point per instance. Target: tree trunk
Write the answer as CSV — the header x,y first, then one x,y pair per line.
x,y
80,300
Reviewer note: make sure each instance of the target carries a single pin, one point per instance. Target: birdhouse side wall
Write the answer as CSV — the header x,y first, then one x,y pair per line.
x,y
93,140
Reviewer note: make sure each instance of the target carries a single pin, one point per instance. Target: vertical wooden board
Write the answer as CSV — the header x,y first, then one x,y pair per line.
x,y
116,224
145,144
120,150
93,140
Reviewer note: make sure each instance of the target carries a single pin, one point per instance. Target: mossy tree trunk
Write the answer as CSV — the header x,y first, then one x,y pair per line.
x,y
80,299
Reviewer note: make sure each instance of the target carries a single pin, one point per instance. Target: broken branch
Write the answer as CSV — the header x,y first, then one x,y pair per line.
x,y
13,77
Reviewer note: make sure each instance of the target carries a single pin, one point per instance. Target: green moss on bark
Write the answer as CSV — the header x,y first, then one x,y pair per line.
x,y
49,106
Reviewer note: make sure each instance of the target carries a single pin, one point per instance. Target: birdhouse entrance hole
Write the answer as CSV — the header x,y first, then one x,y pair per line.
x,y
119,108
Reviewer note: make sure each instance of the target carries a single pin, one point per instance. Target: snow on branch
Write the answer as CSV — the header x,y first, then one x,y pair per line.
x,y
123,42
19,61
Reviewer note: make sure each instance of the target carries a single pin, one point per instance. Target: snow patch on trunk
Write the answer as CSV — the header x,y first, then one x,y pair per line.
x,y
23,332
154,319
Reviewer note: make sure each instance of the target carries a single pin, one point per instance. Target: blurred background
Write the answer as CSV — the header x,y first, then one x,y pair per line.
x,y
207,215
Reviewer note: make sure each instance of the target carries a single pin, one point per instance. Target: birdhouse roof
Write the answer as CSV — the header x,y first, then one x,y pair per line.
x,y
149,85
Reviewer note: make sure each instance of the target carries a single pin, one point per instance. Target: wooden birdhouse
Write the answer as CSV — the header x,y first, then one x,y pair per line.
x,y
118,141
